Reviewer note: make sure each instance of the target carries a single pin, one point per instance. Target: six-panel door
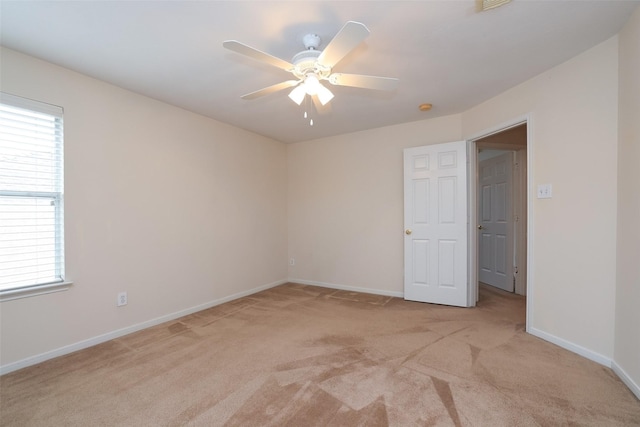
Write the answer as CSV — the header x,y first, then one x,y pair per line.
x,y
435,218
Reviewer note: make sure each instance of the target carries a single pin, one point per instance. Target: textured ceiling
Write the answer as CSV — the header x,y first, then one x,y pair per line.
x,y
444,52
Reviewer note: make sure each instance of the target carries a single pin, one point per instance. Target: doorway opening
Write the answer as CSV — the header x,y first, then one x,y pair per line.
x,y
501,209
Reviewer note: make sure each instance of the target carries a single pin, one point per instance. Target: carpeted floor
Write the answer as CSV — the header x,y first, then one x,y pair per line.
x,y
303,356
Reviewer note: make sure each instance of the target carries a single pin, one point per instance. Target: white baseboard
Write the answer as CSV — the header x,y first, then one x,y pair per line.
x,y
33,360
10,367
349,288
635,388
584,352
567,345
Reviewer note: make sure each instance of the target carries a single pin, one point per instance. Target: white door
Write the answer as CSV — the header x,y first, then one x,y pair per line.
x,y
435,222
495,239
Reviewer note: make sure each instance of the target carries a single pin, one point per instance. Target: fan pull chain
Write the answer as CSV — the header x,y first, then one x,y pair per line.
x,y
310,119
308,107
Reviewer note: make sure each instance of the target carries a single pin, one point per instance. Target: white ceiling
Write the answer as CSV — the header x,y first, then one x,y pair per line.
x,y
443,52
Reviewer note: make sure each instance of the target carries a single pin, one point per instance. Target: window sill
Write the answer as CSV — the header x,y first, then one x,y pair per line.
x,y
32,291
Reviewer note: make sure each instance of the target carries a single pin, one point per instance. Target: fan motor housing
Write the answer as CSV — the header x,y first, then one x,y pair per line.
x,y
307,62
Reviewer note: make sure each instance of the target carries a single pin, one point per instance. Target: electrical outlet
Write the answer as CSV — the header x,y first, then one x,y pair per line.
x,y
544,191
292,261
122,299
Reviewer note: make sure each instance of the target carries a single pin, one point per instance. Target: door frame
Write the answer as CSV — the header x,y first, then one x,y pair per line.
x,y
472,159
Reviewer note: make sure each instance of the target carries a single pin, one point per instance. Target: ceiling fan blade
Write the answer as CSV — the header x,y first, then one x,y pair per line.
x,y
350,36
251,52
270,89
365,82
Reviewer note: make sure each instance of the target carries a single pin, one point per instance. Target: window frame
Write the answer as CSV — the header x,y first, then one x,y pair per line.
x,y
56,196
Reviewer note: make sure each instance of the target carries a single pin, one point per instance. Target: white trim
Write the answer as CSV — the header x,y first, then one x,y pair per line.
x,y
32,291
530,222
575,348
349,288
5,369
626,378
521,233
81,345
473,214
472,221
516,121
31,104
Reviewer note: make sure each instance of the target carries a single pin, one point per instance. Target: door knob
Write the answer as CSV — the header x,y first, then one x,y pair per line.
x,y
480,227
407,231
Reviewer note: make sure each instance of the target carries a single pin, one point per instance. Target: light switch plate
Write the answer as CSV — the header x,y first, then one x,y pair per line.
x,y
544,191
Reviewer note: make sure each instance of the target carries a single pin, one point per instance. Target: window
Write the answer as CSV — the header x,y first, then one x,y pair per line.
x,y
31,197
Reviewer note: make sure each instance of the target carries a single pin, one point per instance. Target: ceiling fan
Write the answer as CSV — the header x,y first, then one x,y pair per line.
x,y
312,66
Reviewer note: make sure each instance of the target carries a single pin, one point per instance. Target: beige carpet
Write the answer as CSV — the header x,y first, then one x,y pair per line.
x,y
303,356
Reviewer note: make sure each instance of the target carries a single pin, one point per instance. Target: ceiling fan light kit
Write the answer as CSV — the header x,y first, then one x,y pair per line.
x,y
298,94
312,66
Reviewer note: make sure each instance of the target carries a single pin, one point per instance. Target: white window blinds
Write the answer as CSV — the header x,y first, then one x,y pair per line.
x,y
31,193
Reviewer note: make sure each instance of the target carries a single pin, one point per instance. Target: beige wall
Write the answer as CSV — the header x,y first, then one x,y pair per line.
x,y
345,204
586,282
345,198
573,145
627,336
176,209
